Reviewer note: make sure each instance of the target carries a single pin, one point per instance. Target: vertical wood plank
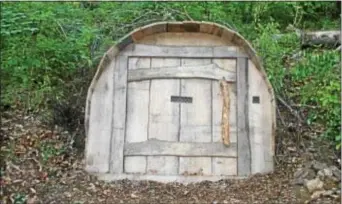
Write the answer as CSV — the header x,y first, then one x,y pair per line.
x,y
196,119
260,123
244,149
99,132
119,115
164,117
138,97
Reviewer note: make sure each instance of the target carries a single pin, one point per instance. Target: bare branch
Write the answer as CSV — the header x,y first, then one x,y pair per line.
x,y
187,15
292,111
60,26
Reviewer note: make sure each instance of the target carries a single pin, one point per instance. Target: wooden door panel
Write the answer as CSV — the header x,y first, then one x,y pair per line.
x,y
191,166
137,111
175,137
138,96
196,119
196,116
224,166
135,164
164,115
162,165
226,64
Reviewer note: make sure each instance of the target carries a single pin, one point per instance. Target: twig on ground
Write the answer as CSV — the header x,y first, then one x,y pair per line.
x,y
280,117
303,105
11,165
293,112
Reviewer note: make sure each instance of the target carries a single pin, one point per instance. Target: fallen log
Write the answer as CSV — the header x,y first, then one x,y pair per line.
x,y
327,39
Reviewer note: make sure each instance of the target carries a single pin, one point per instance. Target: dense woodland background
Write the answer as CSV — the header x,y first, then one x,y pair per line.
x,y
50,51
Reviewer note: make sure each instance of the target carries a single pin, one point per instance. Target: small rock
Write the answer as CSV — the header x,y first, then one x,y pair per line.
x,y
302,194
134,196
336,172
92,187
313,185
321,175
301,174
67,194
317,194
336,190
292,149
19,126
329,183
312,149
225,202
328,172
318,165
328,193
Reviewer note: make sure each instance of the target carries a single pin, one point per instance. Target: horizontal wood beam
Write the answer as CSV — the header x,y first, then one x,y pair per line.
x,y
211,71
168,148
140,50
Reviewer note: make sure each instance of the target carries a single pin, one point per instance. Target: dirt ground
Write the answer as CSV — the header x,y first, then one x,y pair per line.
x,y
39,166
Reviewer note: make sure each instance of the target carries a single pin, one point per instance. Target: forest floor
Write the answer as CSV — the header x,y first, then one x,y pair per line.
x,y
41,168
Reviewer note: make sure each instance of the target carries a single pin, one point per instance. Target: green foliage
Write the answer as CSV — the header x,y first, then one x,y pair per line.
x,y
49,150
314,81
45,57
20,198
48,50
318,76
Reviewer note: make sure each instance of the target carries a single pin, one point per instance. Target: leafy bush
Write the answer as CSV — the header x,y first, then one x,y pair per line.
x,y
313,81
317,80
46,56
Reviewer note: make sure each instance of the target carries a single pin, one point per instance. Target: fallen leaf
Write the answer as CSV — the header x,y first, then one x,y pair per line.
x,y
32,200
33,190
134,196
67,194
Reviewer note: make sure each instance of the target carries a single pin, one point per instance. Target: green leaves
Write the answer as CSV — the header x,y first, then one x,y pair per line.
x,y
320,86
44,44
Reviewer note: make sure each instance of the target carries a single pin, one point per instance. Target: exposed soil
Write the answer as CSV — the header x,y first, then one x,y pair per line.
x,y
39,167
